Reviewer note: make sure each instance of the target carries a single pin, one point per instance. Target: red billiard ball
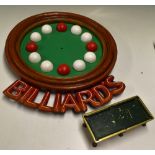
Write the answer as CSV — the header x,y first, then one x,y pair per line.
x,y
91,46
31,47
61,27
63,69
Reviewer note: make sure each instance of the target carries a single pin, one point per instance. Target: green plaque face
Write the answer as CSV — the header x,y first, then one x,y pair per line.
x,y
116,118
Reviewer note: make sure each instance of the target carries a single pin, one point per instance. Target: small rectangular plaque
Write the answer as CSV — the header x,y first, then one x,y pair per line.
x,y
117,118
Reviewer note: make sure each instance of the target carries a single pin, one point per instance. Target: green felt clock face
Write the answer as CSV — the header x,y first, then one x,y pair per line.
x,y
61,48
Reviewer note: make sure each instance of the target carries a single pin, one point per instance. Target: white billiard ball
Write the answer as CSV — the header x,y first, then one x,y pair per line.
x,y
76,29
86,37
46,66
79,65
90,57
35,36
46,29
34,57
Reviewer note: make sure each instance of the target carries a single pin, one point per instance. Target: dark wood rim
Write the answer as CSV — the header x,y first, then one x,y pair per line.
x,y
12,50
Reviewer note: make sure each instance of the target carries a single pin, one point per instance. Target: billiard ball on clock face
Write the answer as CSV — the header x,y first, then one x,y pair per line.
x,y
31,46
61,27
63,69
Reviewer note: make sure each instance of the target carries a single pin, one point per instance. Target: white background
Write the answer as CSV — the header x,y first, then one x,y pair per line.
x,y
133,28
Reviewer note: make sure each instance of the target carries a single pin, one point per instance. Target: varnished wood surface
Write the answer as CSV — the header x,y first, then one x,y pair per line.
x,y
12,50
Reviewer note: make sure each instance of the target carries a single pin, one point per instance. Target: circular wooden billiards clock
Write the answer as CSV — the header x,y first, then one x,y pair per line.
x,y
65,54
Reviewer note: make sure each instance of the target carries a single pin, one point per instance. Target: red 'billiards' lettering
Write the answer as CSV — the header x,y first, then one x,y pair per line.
x,y
29,97
70,102
57,103
116,88
106,95
43,104
87,100
56,106
16,90
96,96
